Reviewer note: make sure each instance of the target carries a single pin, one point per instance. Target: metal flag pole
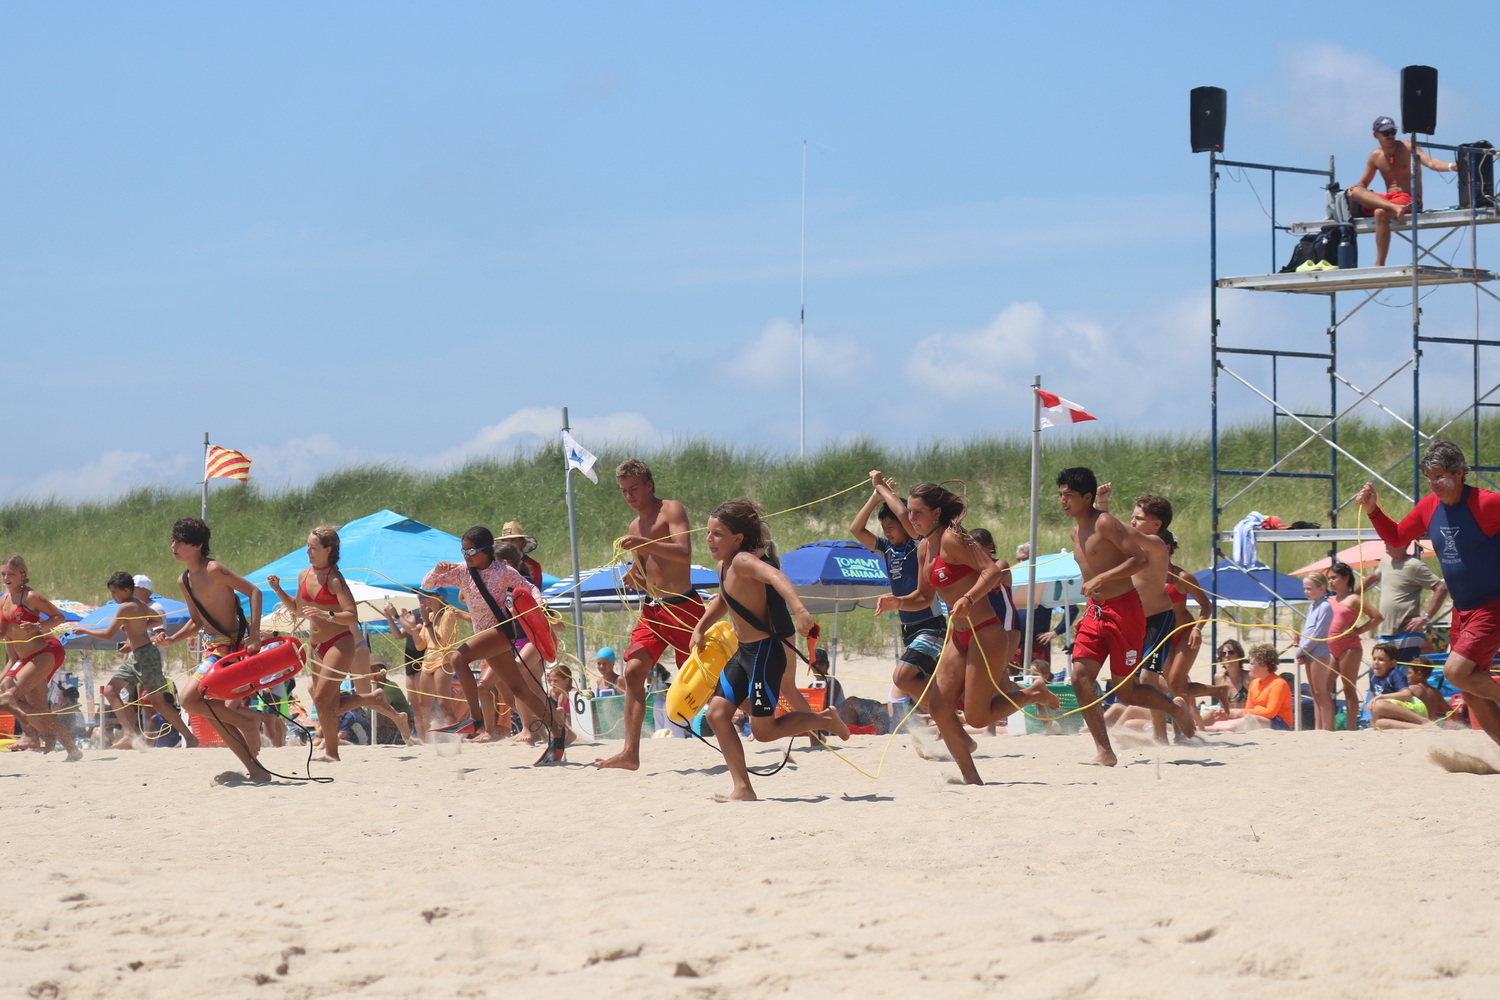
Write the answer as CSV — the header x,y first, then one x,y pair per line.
x,y
1036,487
802,323
205,476
573,541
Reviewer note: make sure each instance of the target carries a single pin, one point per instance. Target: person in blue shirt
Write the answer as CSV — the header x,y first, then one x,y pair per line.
x,y
1312,649
923,630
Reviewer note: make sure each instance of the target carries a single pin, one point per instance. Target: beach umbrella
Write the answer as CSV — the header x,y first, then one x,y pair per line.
x,y
1058,582
1256,587
1365,555
175,611
603,588
833,576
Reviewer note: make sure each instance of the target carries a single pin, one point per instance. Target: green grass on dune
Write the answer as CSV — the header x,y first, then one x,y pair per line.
x,y
72,548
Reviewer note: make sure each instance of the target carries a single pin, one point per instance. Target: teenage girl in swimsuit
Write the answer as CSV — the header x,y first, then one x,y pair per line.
x,y
32,654
492,640
973,665
1345,645
324,599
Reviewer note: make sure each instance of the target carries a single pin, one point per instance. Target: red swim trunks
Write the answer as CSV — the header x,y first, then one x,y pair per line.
x,y
1112,631
1394,197
663,625
1476,633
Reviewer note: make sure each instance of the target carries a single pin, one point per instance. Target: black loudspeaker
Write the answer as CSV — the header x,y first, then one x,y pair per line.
x,y
1419,99
1208,119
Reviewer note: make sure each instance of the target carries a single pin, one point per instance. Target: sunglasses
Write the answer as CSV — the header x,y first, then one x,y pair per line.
x,y
475,552
1389,133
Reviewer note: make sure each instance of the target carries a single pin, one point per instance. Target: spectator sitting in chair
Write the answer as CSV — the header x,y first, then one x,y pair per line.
x,y
853,710
1392,160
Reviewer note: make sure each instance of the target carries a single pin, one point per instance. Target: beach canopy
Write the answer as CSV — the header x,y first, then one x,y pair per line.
x,y
1256,587
603,588
1058,579
1365,555
836,575
176,615
385,549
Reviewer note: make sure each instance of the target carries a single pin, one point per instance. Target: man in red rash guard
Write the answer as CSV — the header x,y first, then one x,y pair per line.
x,y
1464,524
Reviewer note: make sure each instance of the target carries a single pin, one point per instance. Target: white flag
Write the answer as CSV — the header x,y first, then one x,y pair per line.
x,y
578,457
1056,410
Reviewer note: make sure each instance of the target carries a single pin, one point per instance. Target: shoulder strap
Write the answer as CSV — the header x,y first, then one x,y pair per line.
x,y
758,625
239,634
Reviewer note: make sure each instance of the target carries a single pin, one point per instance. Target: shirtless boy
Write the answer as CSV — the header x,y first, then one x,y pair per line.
x,y
663,549
142,669
765,610
1392,161
1113,626
209,588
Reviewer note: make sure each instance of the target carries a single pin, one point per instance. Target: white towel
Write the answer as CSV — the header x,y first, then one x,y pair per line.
x,y
1244,538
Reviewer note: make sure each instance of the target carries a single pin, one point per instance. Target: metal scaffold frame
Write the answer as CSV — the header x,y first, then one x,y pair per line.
x,y
1319,430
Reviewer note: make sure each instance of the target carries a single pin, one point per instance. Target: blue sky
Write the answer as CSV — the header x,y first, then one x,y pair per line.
x,y
341,232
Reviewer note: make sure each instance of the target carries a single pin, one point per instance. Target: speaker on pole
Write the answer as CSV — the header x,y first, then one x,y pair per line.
x,y
1208,119
1419,99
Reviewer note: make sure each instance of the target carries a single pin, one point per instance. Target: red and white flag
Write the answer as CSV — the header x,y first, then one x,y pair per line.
x,y
226,463
1056,410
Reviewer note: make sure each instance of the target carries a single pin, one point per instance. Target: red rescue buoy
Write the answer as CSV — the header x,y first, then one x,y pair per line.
x,y
240,674
534,620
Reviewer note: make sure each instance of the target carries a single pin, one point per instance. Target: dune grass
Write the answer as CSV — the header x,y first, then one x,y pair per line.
x,y
73,548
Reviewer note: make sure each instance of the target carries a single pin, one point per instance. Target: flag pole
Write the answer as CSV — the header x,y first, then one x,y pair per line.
x,y
1036,490
205,476
573,541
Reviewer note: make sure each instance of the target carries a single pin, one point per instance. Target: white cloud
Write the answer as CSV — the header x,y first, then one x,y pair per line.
x,y
771,358
111,474
971,365
532,424
1322,92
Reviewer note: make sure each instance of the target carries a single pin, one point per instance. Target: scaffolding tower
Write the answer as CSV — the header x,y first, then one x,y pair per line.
x,y
1315,435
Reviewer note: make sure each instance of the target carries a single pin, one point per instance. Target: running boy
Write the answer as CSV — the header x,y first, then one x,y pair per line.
x,y
1113,626
766,613
141,671
209,588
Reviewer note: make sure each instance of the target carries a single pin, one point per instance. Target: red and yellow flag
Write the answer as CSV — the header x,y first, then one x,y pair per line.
x,y
226,463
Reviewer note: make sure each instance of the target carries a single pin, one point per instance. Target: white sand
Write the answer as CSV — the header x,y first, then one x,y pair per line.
x,y
1314,865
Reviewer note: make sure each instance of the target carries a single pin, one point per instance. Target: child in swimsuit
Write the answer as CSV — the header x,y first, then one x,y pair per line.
x,y
26,622
766,613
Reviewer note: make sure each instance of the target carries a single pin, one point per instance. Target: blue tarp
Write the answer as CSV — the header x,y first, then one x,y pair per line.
x,y
1253,588
836,575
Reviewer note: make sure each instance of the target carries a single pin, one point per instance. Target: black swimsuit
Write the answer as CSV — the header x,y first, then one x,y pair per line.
x,y
756,669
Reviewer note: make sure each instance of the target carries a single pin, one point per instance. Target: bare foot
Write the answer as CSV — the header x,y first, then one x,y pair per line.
x,y
620,761
483,736
74,754
1104,758
738,795
835,725
327,759
1045,696
1184,717
969,777
123,743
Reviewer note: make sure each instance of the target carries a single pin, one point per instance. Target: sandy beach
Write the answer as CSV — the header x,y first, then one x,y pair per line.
x,y
1307,865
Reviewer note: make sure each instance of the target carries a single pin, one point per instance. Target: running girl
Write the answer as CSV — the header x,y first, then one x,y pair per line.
x,y
974,664
32,654
484,582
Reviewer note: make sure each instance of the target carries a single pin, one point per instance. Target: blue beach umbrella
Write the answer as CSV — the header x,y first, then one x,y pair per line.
x,y
176,615
836,575
1257,587
603,588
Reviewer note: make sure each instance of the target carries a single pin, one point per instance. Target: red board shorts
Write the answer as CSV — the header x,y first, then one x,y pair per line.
x,y
1394,197
663,625
1476,633
1112,631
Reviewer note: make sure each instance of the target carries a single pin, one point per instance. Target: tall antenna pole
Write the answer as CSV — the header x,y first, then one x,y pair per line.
x,y
205,475
802,324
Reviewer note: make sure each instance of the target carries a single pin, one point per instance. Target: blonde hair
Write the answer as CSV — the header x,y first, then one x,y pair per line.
x,y
328,535
18,563
1317,580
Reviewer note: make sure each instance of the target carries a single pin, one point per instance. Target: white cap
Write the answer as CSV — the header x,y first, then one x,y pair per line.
x,y
142,580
